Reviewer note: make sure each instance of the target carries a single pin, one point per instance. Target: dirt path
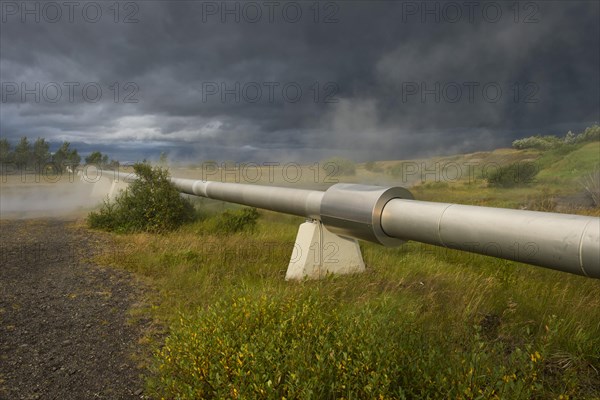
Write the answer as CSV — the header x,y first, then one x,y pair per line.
x,y
65,328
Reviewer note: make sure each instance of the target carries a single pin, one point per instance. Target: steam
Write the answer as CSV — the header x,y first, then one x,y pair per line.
x,y
37,200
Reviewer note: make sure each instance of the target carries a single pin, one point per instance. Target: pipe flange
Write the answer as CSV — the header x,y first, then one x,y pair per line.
x,y
354,210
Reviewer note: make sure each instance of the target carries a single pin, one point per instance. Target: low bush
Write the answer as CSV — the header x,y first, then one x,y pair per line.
x,y
512,175
539,142
150,204
304,347
590,134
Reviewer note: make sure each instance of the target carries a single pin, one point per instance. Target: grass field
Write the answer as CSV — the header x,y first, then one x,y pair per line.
x,y
421,322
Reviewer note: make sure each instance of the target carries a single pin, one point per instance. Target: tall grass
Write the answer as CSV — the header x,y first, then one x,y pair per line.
x,y
421,322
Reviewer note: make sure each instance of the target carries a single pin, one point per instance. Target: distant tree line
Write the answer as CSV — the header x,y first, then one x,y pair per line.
x,y
101,160
37,157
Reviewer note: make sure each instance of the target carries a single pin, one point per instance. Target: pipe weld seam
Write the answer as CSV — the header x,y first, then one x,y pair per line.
x,y
439,227
583,232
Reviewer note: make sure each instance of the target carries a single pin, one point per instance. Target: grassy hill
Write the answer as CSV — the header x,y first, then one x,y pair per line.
x,y
421,322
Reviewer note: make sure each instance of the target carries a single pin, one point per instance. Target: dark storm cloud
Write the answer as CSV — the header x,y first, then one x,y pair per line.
x,y
376,79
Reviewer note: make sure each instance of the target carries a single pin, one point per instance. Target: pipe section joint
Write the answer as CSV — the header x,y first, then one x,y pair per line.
x,y
354,210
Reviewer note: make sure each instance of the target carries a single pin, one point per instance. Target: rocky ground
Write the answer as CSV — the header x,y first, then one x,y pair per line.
x,y
66,331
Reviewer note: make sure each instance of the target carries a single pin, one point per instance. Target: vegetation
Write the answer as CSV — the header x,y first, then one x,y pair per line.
x,y
5,152
550,142
150,204
36,157
233,221
101,160
338,166
421,322
322,350
65,156
591,184
517,174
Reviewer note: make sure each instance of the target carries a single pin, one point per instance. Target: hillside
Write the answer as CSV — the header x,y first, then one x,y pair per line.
x,y
421,322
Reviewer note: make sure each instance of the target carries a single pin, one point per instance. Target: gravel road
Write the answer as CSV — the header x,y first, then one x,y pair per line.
x,y
65,326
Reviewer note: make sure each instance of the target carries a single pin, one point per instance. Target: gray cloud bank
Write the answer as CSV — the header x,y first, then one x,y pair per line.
x,y
295,81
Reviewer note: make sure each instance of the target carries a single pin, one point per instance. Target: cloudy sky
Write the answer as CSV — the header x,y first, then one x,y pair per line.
x,y
285,80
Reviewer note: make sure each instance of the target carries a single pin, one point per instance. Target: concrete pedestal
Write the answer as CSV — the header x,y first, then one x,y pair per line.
x,y
318,252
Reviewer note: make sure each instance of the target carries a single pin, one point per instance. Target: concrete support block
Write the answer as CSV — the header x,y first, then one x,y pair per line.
x,y
318,252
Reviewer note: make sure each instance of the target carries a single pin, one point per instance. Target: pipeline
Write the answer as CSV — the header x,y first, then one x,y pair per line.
x,y
390,216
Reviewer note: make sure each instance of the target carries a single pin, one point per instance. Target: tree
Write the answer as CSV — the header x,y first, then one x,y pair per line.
x,y
5,154
94,158
97,158
41,152
65,156
23,156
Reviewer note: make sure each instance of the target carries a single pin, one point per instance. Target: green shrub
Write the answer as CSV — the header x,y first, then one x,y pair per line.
x,y
590,134
150,204
233,221
537,142
305,347
517,174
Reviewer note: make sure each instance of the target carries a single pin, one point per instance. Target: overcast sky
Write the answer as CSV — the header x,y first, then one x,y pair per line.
x,y
272,81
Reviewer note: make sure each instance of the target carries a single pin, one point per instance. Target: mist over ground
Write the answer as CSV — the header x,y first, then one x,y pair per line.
x,y
31,200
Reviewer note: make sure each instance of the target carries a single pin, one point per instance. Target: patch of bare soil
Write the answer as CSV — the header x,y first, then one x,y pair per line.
x,y
65,326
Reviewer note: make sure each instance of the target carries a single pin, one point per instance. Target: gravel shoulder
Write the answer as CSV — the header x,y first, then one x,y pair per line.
x,y
66,330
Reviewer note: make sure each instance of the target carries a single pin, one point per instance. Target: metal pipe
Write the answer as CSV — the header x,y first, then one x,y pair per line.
x,y
304,203
564,242
354,210
389,216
